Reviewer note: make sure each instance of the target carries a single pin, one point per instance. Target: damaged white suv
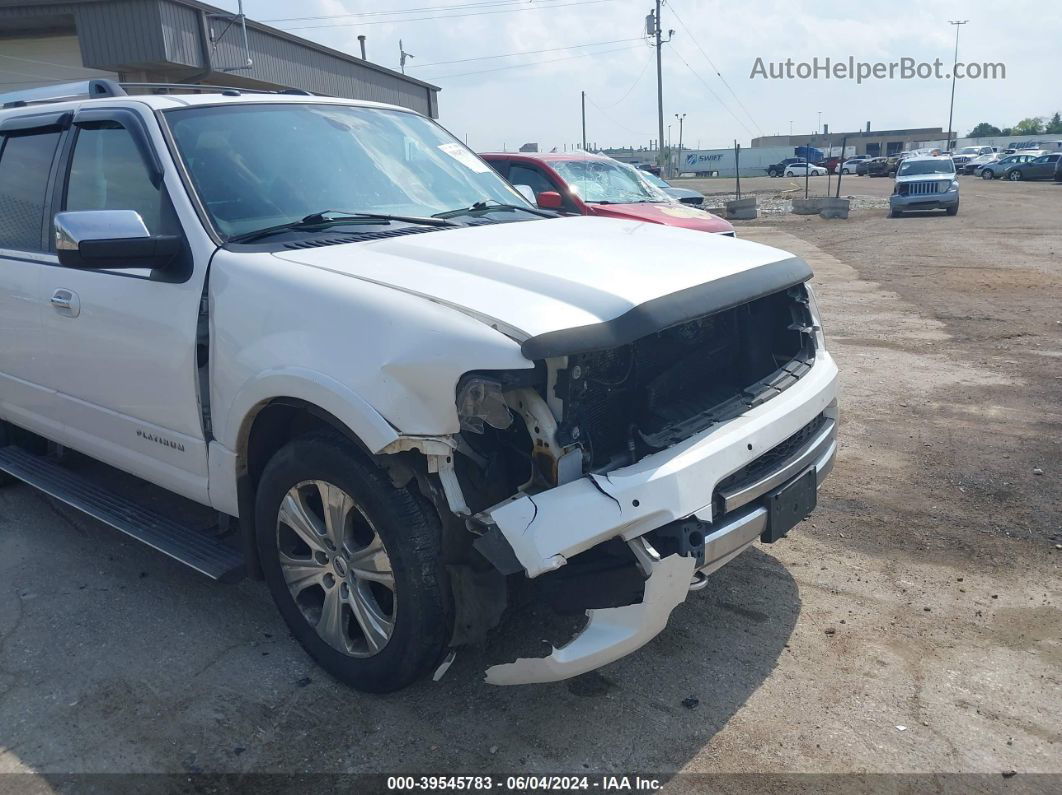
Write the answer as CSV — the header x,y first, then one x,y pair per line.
x,y
331,320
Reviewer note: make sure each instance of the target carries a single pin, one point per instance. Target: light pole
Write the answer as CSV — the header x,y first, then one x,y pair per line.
x,y
951,107
819,128
680,117
790,128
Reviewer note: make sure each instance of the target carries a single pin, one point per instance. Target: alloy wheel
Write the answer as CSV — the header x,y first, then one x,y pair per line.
x,y
336,568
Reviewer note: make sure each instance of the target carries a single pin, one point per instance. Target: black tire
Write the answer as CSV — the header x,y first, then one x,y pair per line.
x,y
953,210
1014,176
987,173
895,213
409,530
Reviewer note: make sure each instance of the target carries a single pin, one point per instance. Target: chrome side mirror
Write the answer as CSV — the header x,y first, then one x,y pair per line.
x,y
73,227
112,239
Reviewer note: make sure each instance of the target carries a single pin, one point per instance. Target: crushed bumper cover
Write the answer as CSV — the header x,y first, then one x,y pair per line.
x,y
678,483
610,633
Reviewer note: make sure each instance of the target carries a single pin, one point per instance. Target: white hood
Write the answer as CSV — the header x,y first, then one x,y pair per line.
x,y
530,278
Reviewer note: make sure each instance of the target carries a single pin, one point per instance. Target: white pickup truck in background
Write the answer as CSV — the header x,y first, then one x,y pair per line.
x,y
331,322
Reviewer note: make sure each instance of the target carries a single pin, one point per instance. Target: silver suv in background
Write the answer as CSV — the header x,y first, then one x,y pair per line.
x,y
925,183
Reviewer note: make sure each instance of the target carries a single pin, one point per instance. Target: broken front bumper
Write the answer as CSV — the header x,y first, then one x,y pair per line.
x,y
545,530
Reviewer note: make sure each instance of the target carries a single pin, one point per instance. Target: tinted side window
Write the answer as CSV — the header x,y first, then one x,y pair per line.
x,y
107,173
25,161
532,177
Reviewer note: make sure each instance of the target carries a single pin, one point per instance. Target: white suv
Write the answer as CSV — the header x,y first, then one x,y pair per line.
x,y
331,320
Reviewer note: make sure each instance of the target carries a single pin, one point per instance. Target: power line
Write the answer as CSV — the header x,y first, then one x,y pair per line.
x,y
711,63
710,91
524,52
532,63
451,16
396,12
645,67
618,124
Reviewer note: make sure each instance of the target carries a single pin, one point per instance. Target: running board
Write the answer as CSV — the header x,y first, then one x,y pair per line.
x,y
188,545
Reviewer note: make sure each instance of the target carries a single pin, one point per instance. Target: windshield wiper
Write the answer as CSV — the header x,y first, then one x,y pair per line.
x,y
327,218
487,205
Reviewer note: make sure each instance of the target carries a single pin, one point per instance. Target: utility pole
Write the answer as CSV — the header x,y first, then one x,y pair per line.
x,y
818,129
583,93
951,108
402,56
653,29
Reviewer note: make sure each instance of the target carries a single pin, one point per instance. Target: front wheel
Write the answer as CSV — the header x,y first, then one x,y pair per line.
x,y
895,213
845,171
953,210
987,174
1014,176
353,564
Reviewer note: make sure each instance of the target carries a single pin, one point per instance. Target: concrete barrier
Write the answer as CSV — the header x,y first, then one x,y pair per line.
x,y
741,209
807,206
825,206
834,208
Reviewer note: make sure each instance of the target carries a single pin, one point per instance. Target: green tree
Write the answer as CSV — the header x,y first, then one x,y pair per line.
x,y
1030,126
1054,127
984,130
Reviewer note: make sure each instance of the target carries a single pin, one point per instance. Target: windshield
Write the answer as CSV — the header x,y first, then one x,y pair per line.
x,y
653,179
912,167
261,165
597,181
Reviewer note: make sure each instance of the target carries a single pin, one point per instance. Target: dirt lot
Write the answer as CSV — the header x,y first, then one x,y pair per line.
x,y
912,624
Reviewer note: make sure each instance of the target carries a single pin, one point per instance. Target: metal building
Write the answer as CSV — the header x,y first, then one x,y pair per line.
x,y
183,41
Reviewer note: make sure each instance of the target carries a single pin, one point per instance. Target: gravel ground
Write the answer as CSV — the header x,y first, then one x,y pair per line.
x,y
913,624
774,194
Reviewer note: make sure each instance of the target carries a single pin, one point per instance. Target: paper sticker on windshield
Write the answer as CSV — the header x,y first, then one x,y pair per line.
x,y
465,158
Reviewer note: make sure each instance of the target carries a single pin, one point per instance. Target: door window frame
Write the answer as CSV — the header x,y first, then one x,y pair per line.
x,y
39,124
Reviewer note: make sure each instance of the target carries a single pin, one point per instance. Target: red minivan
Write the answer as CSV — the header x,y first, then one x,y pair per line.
x,y
585,184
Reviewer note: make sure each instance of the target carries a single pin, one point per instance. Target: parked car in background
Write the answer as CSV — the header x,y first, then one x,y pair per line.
x,y
586,184
925,183
995,168
877,167
851,165
1042,167
863,167
892,163
831,164
683,195
968,153
974,166
778,169
800,169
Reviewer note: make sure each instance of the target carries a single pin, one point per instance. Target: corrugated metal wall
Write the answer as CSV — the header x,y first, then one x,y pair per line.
x,y
145,35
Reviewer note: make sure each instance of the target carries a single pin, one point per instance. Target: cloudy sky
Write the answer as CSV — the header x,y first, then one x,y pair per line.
x,y
567,46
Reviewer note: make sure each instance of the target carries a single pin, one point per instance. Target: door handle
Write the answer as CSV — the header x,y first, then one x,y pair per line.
x,y
66,302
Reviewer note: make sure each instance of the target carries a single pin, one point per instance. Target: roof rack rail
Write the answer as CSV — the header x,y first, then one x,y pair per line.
x,y
98,88
61,92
